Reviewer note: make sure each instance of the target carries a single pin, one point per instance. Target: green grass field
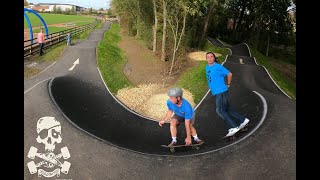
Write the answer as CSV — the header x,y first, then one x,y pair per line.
x,y
83,23
50,29
54,19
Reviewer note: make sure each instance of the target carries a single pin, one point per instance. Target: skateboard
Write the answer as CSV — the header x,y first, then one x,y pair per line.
x,y
193,146
244,129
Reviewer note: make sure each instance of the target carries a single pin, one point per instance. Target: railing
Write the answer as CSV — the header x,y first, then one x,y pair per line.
x,y
54,38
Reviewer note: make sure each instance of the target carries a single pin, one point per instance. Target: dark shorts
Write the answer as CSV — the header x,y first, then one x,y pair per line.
x,y
181,119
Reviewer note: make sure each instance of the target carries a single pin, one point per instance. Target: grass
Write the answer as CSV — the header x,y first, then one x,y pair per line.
x,y
50,29
51,53
54,19
55,51
83,23
285,83
99,25
194,79
111,60
30,71
86,33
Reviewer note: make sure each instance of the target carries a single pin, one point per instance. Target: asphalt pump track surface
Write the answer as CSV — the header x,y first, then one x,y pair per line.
x,y
87,103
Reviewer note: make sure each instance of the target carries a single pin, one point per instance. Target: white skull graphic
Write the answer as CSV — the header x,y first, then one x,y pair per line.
x,y
49,132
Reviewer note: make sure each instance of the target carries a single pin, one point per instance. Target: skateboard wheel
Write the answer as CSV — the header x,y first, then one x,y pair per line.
x,y
197,148
172,150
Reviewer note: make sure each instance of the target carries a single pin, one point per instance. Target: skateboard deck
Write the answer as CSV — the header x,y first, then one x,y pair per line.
x,y
245,129
172,148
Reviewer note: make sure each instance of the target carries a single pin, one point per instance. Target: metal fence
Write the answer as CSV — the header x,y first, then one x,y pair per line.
x,y
54,38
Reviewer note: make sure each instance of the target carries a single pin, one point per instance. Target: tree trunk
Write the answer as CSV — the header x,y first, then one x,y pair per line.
x,y
267,53
163,50
173,57
257,39
177,44
205,27
155,27
234,28
241,15
137,29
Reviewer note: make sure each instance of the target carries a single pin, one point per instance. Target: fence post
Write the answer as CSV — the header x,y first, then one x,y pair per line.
x,y
30,48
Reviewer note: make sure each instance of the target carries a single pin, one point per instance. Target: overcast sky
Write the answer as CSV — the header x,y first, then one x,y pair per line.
x,y
95,4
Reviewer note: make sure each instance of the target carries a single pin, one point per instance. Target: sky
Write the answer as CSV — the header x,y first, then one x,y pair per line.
x,y
95,4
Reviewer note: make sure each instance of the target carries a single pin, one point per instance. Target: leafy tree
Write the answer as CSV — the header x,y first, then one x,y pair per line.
x,y
59,11
67,11
177,14
54,10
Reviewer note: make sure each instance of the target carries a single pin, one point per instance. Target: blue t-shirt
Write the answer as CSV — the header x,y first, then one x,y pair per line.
x,y
215,76
185,110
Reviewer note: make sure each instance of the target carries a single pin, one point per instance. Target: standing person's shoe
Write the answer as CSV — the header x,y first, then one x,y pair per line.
x,y
232,131
198,141
245,122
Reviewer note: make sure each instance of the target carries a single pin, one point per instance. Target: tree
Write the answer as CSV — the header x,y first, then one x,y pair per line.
x,y
54,10
155,27
59,11
177,15
210,8
101,9
26,3
67,11
164,31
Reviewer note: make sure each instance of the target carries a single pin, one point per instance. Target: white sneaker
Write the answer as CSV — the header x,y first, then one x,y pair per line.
x,y
232,131
245,122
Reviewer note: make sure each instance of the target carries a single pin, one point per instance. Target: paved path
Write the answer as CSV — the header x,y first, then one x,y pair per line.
x,y
127,144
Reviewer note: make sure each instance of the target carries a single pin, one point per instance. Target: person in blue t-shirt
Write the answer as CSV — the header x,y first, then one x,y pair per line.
x,y
216,74
183,112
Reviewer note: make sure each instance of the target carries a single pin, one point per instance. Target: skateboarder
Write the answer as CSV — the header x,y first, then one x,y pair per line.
x,y
183,112
216,74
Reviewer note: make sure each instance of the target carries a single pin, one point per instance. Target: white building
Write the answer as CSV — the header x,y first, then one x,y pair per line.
x,y
63,7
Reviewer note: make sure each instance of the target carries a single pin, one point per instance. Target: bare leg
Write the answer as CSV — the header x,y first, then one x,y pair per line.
x,y
193,130
173,127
